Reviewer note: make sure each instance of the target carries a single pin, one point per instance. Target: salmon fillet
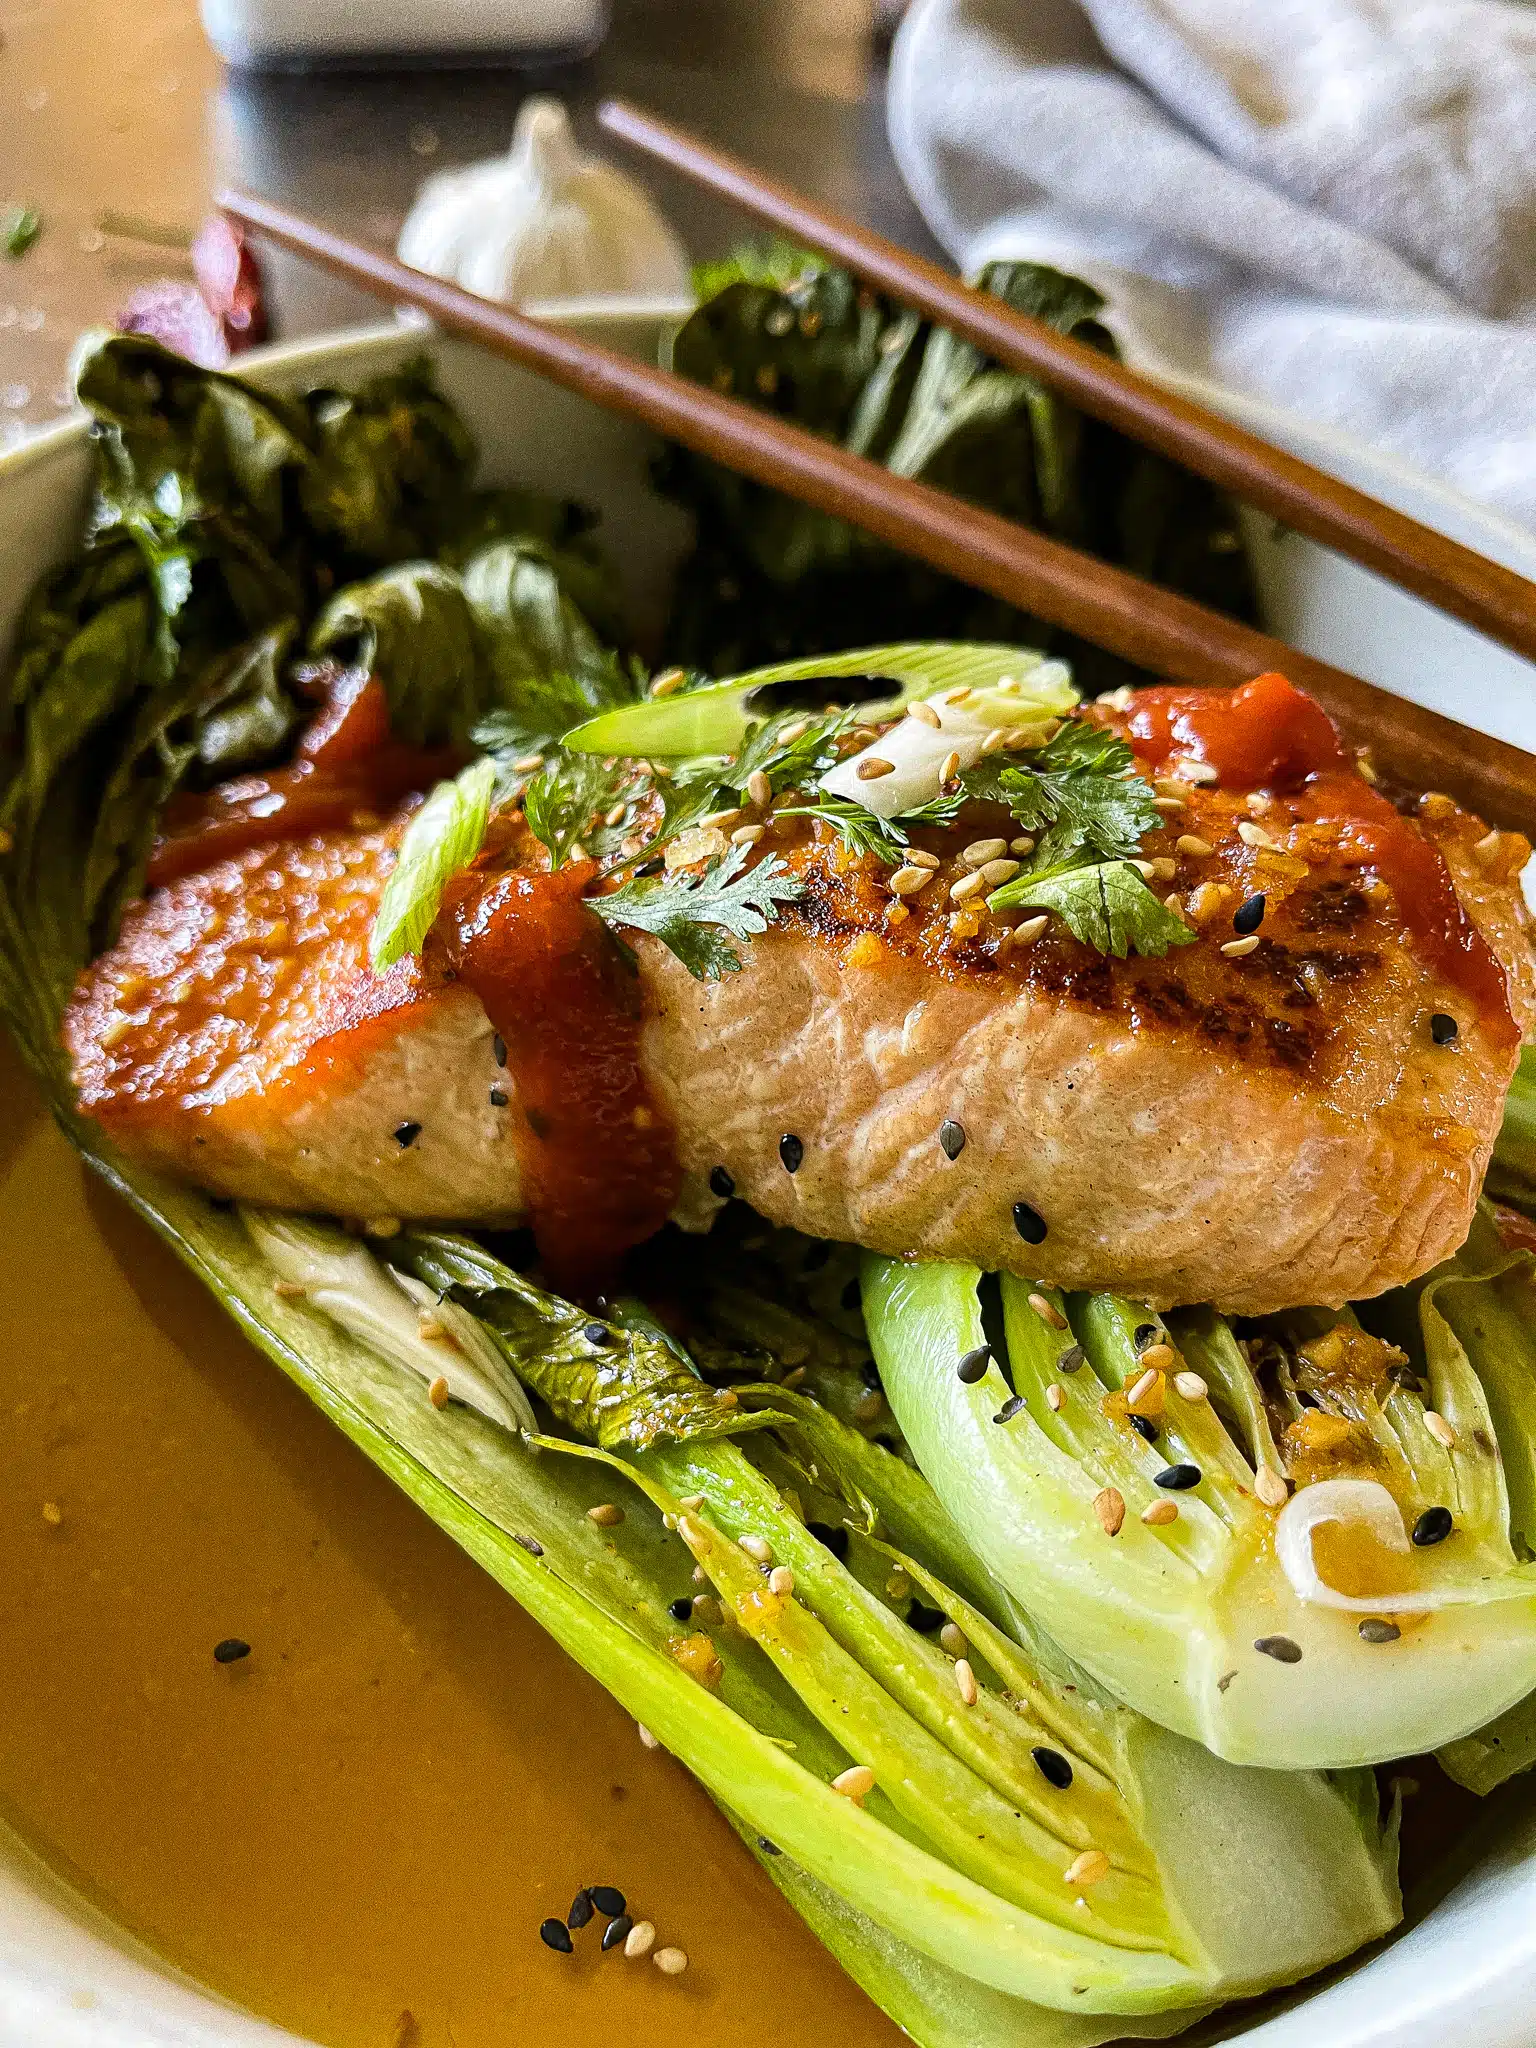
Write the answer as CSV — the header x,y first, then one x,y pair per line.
x,y
1257,1131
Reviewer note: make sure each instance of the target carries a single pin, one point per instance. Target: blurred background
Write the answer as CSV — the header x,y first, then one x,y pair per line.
x,y
116,119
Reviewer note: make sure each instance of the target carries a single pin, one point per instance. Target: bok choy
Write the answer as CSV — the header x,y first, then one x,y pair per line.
x,y
1129,1478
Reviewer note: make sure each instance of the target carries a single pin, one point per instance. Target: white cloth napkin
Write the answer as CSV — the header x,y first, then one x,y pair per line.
x,y
1329,203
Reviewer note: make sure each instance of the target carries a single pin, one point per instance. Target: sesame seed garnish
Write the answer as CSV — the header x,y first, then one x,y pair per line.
x,y
910,881
670,1961
231,1650
1281,1648
617,1932
382,1226
597,1334
1202,772
608,1899
951,1138
1055,1398
437,1393
1145,1385
616,815
607,1514
1178,1478
1239,949
1271,1487
1025,934
965,1681
581,1911
1048,1312
794,732
640,1940
757,1547
967,887
498,1098
1092,1867
1433,1526
1109,1506
957,696
1442,1027
995,740
1009,1409
1072,1360
1174,791
531,1544
668,682
1377,1629
949,768
1488,846
873,766
289,1290
919,857
53,1514
1053,1767
747,835
1158,1357
924,714
647,1739
1440,1429
681,1610
1145,1428
714,819
556,1935
406,1134
856,1783
980,851
996,872
721,1183
1249,915
1191,1386
791,1152
781,1580
1029,1223
528,764
1170,806
759,789
692,1502
1022,845
1144,868
973,1366
1160,1513
1254,835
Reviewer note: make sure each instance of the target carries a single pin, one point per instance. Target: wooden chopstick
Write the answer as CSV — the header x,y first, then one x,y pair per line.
x,y
1496,600
1155,628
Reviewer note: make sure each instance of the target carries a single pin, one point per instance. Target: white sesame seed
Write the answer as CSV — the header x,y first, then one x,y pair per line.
x,y
957,696
980,851
949,767
640,1939
1047,1311
996,872
692,1502
670,1961
668,682
856,1783
1440,1429
1191,843
995,740
757,1547
1146,1384
1488,846
437,1393
965,1681
759,789
917,858
924,714
616,815
967,887
1109,1508
1254,835
910,881
1199,771
1171,805
1160,1357
1145,869
1025,934
1092,1867
607,1515
781,1580
747,835
1159,1513
715,819
1164,869
873,766
528,764
1271,1488
1190,1386
1055,1398
1175,792
1238,949
647,1739
1022,845
952,1638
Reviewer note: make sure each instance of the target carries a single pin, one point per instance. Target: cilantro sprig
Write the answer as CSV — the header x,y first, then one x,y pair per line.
x,y
697,917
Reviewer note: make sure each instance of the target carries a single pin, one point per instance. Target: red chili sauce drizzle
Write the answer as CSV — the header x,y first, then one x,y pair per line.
x,y
1267,735
598,1163
347,772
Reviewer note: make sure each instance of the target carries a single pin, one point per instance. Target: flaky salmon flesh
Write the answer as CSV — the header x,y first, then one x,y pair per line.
x,y
1254,1126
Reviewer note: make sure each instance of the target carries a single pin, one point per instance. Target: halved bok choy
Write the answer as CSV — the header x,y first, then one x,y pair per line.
x,y
1304,1548
1033,1862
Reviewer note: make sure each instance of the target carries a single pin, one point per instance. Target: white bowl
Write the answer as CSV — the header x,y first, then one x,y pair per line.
x,y
1465,1976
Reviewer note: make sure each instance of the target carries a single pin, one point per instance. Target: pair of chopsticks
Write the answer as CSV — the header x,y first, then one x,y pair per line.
x,y
1155,628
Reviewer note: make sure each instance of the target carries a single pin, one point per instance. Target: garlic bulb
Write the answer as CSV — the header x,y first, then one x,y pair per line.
x,y
546,221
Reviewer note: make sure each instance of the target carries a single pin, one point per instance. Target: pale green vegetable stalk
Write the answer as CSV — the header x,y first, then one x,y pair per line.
x,y
1049,1482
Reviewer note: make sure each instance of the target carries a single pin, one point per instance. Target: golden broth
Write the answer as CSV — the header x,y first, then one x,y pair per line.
x,y
368,1817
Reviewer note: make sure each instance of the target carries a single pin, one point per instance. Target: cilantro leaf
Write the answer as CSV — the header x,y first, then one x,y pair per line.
x,y
860,830
566,803
693,917
1105,904
1081,789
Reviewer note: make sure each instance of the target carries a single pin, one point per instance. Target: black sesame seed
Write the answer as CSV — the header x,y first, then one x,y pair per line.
x,y
499,1049
1178,1478
1376,1629
1442,1029
597,1333
531,1544
1146,1333
230,1651
851,1296
831,1536
1072,1359
1053,1767
791,1152
498,1098
973,1366
608,1899
769,1848
616,1931
581,1911
681,1610
1029,1223
926,1620
556,1935
1145,1427
1248,916
952,1137
1281,1648
721,1184
406,1134
1009,1409
1433,1526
